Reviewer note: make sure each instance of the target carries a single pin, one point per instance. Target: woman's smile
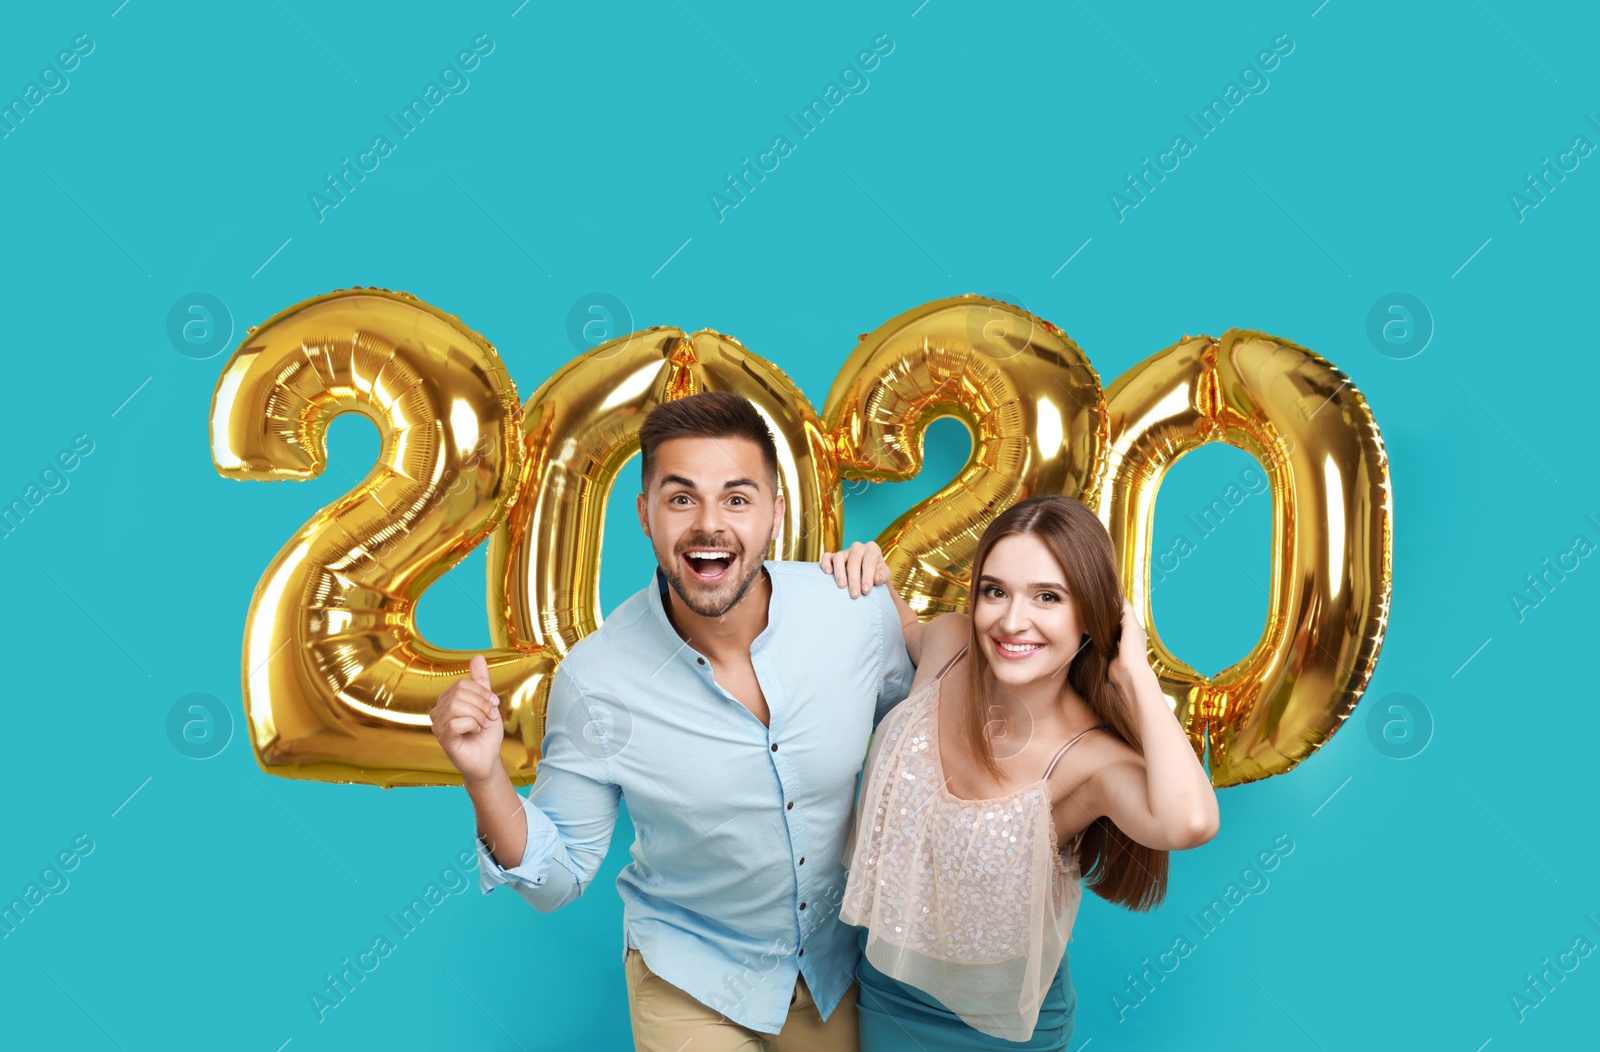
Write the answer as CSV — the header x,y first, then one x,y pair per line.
x,y
1016,649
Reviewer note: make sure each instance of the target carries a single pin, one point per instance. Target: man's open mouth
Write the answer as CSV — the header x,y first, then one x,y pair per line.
x,y
708,564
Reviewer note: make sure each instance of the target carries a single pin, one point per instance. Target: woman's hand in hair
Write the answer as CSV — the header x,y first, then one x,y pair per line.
x,y
1164,798
1132,658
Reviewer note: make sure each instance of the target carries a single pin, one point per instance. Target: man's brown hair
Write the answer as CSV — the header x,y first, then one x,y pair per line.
x,y
710,414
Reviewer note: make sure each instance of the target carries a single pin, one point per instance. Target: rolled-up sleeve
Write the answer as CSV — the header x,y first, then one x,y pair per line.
x,y
894,682
572,809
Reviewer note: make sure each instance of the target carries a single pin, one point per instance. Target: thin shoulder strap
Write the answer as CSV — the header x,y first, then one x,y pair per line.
x,y
950,663
1063,750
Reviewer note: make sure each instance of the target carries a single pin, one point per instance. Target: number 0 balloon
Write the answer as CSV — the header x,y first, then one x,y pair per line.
x,y
338,683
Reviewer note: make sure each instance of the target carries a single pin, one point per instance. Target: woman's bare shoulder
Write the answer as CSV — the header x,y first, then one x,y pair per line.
x,y
941,638
944,636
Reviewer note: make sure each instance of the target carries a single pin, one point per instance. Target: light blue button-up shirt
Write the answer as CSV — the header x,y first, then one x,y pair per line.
x,y
737,869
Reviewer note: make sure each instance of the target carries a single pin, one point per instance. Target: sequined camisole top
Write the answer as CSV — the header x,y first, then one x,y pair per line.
x,y
967,900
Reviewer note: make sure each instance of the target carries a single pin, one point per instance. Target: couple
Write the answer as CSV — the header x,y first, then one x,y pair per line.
x,y
731,703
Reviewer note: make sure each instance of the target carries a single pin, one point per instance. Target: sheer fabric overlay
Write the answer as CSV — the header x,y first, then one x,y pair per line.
x,y
966,900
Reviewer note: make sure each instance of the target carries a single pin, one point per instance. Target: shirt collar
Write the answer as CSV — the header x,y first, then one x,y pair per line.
x,y
658,604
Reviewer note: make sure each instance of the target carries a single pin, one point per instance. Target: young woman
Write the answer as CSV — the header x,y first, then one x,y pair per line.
x,y
1034,721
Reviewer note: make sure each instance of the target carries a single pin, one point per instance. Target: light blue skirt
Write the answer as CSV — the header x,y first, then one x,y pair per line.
x,y
896,1016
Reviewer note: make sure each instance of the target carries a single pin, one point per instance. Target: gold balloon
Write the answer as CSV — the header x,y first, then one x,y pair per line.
x,y
582,425
1024,391
338,684
1332,518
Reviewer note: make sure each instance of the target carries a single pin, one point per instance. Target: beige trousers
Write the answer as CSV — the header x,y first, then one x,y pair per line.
x,y
665,1019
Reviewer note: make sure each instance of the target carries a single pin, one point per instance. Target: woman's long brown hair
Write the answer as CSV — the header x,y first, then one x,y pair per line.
x,y
1114,866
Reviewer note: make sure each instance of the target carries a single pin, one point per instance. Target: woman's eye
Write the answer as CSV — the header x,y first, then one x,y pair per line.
x,y
1048,597
993,592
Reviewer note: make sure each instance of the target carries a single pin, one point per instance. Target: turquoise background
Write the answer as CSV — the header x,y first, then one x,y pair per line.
x,y
1380,159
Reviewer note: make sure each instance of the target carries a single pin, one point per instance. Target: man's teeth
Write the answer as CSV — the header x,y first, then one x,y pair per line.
x,y
710,555
1020,648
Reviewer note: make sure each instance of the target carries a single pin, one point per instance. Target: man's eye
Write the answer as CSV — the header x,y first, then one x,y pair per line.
x,y
738,498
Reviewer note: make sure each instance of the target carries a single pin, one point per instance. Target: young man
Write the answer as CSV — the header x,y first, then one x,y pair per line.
x,y
730,703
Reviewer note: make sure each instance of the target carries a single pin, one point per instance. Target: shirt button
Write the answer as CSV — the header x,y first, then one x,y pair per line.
x,y
774,746
802,860
789,806
802,952
701,660
802,905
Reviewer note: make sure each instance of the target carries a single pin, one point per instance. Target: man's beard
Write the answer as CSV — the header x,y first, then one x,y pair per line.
x,y
676,578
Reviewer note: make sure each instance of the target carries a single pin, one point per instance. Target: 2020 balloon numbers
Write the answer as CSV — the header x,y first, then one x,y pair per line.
x,y
338,683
